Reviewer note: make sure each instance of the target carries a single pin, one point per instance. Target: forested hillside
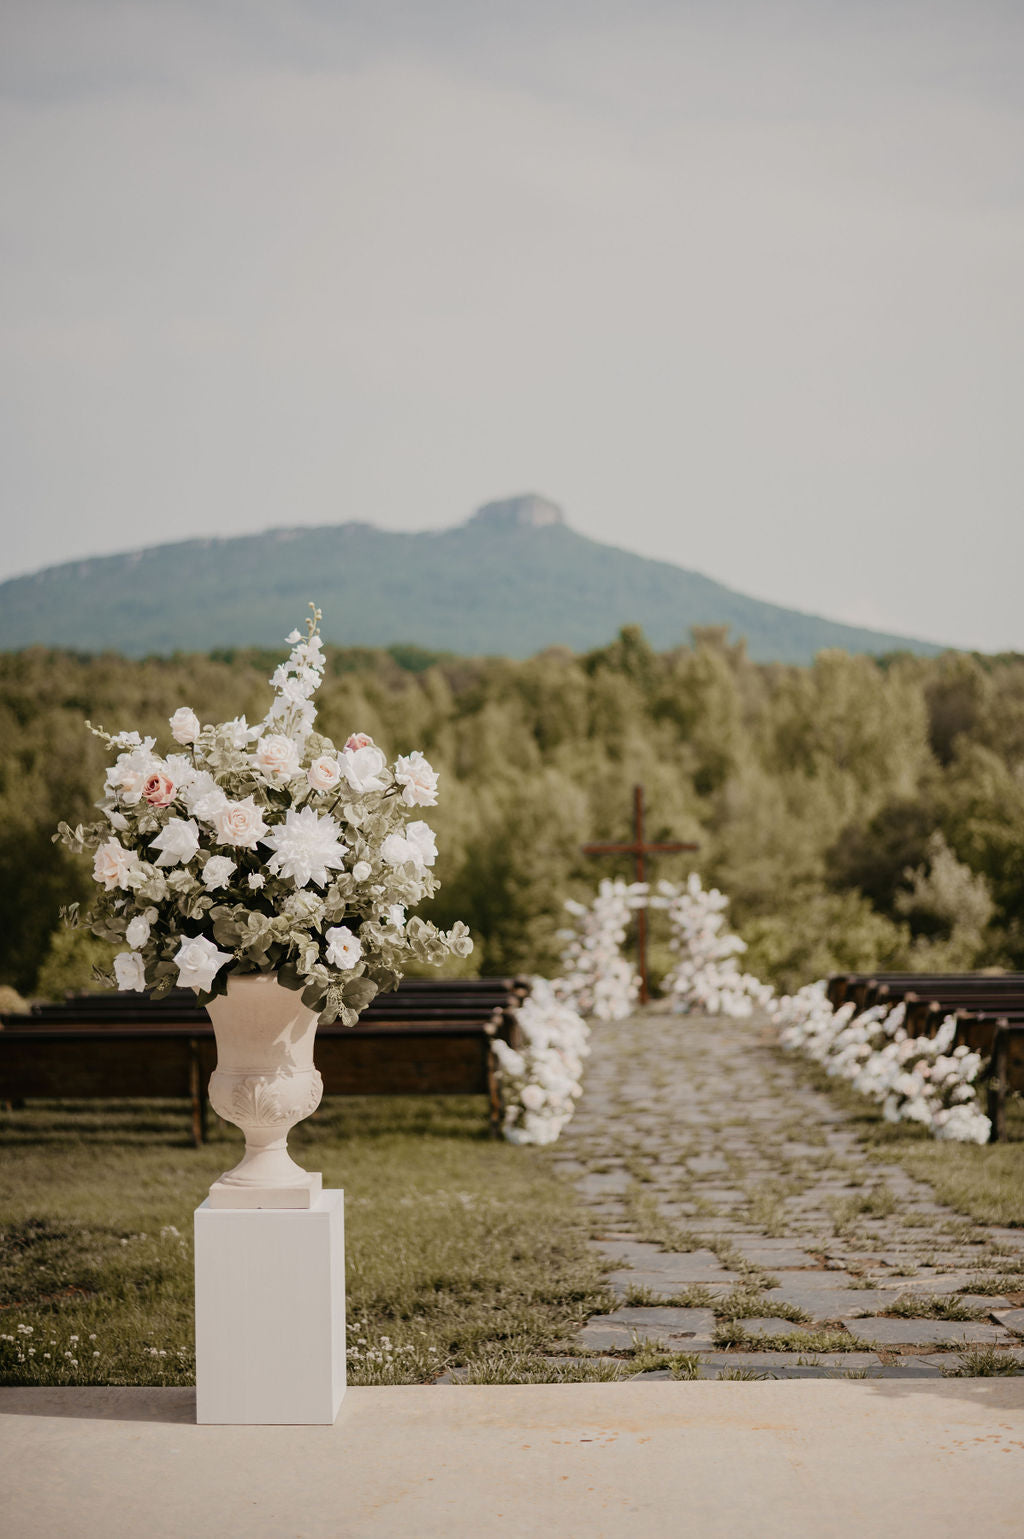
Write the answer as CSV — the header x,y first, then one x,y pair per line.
x,y
859,812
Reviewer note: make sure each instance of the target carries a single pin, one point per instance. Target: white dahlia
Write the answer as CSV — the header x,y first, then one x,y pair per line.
x,y
305,847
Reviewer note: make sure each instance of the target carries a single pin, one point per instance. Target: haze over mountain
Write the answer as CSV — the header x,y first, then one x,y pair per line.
x,y
513,579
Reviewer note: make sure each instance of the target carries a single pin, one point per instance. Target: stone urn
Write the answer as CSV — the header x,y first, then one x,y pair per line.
x,y
264,1083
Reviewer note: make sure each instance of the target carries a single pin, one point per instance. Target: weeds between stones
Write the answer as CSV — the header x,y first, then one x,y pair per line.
x,y
696,1297
731,1333
931,1306
648,1358
648,1224
982,1363
750,1304
877,1202
997,1283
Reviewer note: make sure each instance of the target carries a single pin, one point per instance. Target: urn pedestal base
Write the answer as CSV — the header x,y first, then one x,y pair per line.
x,y
303,1194
270,1314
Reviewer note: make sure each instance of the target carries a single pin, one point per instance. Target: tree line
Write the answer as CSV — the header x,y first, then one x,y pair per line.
x,y
859,812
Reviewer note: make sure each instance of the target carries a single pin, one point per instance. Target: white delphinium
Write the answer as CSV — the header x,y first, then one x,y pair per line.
x,y
295,682
706,977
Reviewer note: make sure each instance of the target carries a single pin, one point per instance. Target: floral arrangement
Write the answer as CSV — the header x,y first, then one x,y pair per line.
x,y
542,1080
706,977
596,977
265,848
915,1079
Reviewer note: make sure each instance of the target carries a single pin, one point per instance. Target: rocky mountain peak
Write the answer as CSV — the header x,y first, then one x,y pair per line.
x,y
529,511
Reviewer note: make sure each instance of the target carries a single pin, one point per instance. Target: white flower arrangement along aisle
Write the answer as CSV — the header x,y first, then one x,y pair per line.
x,y
595,975
542,1080
265,848
921,1079
915,1079
706,978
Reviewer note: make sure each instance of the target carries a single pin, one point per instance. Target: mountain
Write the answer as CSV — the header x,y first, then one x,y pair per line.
x,y
512,580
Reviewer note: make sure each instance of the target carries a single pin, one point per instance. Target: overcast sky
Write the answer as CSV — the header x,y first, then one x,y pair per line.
x,y
739,285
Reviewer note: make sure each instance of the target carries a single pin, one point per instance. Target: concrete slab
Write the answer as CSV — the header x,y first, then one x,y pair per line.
x,y
821,1360
807,1459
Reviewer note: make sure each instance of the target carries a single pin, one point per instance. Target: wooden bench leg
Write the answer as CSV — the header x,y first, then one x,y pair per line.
x,y
494,1093
997,1086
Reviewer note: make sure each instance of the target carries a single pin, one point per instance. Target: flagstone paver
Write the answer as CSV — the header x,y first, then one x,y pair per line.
x,y
717,1178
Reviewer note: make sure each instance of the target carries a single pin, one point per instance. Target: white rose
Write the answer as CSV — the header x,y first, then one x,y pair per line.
x,y
184,725
177,841
128,776
137,933
203,796
416,846
532,1097
217,872
240,824
198,961
113,865
181,770
418,779
324,773
362,870
421,836
397,850
343,947
277,756
129,971
256,880
365,769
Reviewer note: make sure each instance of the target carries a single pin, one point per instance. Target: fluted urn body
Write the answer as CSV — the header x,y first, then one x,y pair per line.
x,y
264,1083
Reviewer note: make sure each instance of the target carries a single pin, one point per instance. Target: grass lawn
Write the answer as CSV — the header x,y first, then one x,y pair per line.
x,y
461,1251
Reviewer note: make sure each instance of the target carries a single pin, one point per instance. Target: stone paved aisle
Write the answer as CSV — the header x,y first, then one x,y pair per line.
x,y
754,1233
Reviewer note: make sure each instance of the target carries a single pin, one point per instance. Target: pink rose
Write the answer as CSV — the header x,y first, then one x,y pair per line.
x,y
159,790
359,740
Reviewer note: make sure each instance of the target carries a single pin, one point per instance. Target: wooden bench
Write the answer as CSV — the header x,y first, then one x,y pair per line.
x,y
429,1037
987,1010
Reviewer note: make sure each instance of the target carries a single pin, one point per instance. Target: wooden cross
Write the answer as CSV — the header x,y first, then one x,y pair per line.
x,y
638,849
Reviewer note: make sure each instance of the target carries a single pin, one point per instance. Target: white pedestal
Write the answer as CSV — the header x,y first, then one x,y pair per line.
x,y
270,1313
